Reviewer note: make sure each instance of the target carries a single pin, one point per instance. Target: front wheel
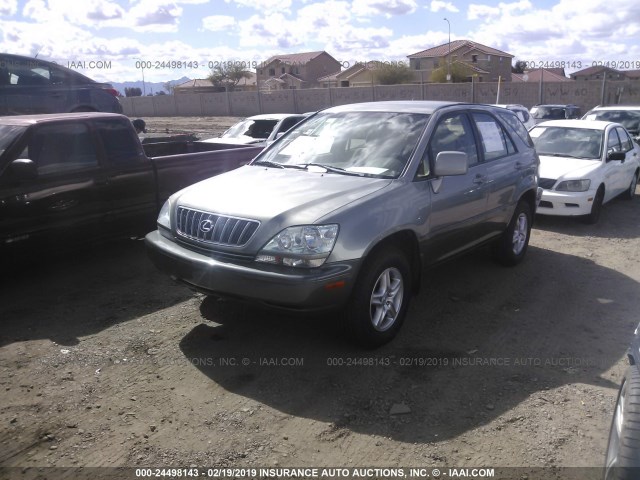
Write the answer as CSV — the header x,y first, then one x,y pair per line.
x,y
380,298
596,208
512,245
631,191
623,450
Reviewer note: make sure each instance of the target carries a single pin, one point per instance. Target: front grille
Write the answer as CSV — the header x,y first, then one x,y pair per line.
x,y
215,229
546,183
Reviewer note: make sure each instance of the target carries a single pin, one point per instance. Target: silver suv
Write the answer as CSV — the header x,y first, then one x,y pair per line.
x,y
346,208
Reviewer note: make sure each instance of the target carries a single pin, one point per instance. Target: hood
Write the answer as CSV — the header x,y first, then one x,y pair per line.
x,y
285,197
560,167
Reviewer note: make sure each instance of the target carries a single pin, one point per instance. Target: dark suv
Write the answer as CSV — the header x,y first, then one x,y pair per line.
x,y
541,113
30,85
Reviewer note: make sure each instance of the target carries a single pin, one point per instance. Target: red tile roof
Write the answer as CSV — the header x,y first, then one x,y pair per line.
x,y
295,58
443,50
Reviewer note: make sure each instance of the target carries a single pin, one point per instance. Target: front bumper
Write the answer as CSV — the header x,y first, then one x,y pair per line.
x,y
566,203
326,287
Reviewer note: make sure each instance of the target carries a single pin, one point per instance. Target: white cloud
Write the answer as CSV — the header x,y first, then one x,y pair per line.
x,y
217,23
437,5
8,7
385,7
264,5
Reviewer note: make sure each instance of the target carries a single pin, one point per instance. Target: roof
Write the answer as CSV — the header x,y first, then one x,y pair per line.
x,y
595,70
442,50
404,106
545,74
197,82
54,117
273,116
616,107
590,124
295,58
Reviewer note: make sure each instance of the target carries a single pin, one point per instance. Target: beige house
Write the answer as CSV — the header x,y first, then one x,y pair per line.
x,y
358,75
485,64
296,70
203,85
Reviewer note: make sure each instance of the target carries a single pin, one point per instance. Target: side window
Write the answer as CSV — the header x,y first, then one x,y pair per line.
x,y
625,140
61,148
613,142
495,142
517,126
120,144
453,133
24,73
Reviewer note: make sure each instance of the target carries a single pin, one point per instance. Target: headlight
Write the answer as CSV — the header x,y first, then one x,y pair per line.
x,y
164,217
573,186
302,246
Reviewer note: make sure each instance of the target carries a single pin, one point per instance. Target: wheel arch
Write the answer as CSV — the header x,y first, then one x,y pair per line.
x,y
407,242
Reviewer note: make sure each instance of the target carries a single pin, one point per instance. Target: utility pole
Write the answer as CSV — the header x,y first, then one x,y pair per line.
x,y
449,56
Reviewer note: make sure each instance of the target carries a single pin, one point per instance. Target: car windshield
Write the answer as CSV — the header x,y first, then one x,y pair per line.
x,y
548,113
251,128
568,142
375,144
627,118
8,133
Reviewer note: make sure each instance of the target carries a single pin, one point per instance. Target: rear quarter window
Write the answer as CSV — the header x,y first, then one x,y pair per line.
x,y
516,126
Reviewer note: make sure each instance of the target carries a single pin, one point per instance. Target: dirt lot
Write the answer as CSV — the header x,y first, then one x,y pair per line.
x,y
105,362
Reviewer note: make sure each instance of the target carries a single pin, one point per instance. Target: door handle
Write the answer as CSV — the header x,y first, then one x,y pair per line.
x,y
63,204
479,179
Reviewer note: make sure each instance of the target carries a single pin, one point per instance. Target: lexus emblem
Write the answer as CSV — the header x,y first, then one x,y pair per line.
x,y
206,226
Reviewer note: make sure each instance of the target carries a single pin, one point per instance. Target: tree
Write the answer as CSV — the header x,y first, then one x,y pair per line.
x,y
459,72
132,92
169,86
519,67
393,73
228,75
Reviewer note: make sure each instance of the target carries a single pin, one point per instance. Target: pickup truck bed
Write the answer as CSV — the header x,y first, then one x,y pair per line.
x,y
71,178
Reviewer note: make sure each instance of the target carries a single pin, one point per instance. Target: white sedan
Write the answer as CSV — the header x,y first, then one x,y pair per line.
x,y
584,164
259,130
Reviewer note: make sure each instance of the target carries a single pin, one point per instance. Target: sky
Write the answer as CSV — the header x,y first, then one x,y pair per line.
x,y
112,40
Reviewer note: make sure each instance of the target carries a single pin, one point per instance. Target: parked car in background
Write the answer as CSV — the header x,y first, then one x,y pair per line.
x,y
521,112
70,178
30,85
622,460
345,209
259,129
583,165
627,116
541,113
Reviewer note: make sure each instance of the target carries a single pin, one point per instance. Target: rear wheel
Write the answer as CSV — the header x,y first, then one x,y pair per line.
x,y
380,298
512,245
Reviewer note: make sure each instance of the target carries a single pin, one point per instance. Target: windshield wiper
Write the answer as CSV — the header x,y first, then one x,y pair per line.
x,y
328,168
268,163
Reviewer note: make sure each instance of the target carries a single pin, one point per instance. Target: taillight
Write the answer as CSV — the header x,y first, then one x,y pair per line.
x,y
112,91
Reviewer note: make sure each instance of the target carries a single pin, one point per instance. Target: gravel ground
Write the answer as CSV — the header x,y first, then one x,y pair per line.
x,y
105,362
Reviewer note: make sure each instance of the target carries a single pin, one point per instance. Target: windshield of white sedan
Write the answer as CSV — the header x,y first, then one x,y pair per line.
x,y
568,142
628,119
251,128
357,143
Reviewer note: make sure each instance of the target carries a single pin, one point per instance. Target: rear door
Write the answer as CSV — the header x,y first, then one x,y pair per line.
x,y
131,178
631,158
66,201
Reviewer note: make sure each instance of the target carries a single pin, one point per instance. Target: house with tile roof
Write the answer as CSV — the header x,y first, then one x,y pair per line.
x,y
597,73
204,85
541,75
484,64
296,70
357,75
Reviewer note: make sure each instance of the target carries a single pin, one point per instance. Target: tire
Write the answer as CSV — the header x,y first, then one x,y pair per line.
x,y
622,461
631,191
596,208
511,247
380,298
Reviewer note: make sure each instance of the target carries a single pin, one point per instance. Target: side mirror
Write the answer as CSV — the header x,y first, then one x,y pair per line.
x,y
450,163
616,156
23,169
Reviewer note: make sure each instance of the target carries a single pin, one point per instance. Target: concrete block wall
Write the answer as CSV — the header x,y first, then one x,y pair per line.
x,y
584,94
